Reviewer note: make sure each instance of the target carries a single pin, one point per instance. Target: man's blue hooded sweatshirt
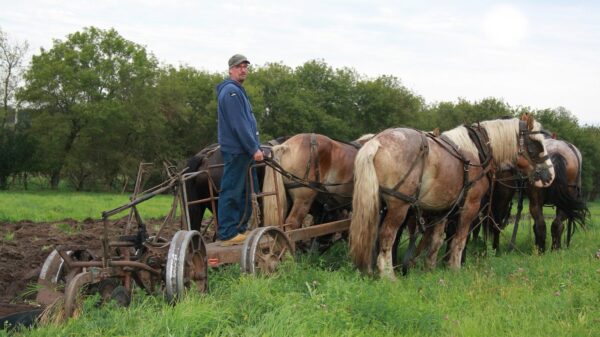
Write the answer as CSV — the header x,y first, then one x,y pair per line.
x,y
237,126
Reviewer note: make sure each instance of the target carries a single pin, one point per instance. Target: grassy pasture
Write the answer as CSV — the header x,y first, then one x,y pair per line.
x,y
522,293
49,206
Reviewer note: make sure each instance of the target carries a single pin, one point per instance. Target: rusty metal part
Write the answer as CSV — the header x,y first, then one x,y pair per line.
x,y
56,272
186,264
49,279
264,249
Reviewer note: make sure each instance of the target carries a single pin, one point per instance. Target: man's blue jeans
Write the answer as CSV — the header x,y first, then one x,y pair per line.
x,y
235,202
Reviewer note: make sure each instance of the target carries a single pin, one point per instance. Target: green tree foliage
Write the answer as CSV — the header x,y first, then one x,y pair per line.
x,y
559,121
336,102
448,115
90,95
16,153
383,103
187,100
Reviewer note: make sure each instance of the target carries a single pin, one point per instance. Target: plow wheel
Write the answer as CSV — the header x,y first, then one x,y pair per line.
x,y
55,275
264,249
186,264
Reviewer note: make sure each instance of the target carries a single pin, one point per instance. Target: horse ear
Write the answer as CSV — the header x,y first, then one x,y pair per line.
x,y
436,132
529,119
530,123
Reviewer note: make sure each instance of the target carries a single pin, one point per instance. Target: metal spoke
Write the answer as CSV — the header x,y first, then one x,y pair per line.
x,y
283,251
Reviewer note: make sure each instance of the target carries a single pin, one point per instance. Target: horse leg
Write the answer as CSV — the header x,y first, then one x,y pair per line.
x,y
436,241
539,225
302,200
557,229
468,213
496,238
396,213
450,232
475,232
410,255
196,213
397,242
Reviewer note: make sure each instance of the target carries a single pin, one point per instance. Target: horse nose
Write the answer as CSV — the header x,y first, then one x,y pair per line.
x,y
543,175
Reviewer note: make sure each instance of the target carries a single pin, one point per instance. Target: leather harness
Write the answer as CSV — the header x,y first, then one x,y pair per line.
x,y
479,137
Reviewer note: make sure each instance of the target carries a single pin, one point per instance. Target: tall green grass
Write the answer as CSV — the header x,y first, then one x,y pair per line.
x,y
42,206
522,293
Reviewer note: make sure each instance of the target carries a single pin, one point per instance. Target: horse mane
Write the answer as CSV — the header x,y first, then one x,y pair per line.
x,y
460,136
503,140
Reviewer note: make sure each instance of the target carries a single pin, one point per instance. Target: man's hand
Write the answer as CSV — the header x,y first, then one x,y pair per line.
x,y
258,155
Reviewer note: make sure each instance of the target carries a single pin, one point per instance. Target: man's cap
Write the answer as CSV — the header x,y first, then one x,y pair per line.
x,y
237,59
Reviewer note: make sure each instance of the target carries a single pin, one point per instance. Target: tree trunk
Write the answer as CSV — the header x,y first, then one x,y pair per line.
x,y
25,178
55,179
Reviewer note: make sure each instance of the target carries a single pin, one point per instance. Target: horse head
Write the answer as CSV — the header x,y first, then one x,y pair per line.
x,y
532,158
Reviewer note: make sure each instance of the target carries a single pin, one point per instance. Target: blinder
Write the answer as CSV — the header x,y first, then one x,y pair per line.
x,y
528,147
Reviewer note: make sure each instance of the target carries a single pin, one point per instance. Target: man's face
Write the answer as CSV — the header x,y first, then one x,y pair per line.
x,y
239,73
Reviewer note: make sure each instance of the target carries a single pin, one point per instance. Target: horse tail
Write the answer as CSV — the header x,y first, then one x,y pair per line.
x,y
365,205
271,213
558,193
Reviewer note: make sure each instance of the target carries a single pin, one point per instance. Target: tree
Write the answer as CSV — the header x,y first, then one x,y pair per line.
x,y
93,105
11,62
384,102
559,121
187,100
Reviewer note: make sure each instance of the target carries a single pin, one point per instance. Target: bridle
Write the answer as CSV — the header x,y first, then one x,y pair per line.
x,y
530,151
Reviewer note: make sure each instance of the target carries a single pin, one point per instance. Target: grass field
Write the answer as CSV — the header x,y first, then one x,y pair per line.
x,y
522,293
47,206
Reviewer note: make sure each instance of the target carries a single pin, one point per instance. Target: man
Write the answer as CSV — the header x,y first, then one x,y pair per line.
x,y
238,137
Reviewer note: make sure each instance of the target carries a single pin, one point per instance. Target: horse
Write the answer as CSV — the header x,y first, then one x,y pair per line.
x,y
564,193
314,167
406,168
210,161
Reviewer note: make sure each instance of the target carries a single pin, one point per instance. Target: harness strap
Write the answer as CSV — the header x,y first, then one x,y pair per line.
x,y
300,182
412,200
423,151
453,150
480,138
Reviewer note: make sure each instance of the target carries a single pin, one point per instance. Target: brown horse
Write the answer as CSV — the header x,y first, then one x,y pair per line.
x,y
564,193
316,167
407,168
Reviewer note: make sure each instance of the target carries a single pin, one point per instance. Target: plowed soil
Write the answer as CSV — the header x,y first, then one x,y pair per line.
x,y
25,245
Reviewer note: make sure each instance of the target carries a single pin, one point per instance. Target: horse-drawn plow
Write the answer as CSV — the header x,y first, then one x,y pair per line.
x,y
159,265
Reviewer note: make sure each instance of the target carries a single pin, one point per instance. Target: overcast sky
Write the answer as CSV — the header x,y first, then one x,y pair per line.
x,y
540,54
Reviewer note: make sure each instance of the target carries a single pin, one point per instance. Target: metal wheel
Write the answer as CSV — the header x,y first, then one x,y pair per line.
x,y
55,274
264,250
186,264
